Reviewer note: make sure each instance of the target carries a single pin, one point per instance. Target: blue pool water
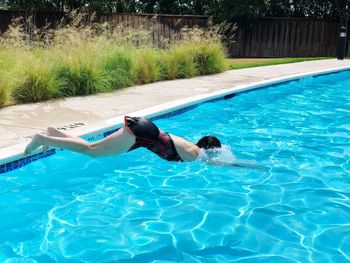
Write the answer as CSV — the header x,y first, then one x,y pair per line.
x,y
139,208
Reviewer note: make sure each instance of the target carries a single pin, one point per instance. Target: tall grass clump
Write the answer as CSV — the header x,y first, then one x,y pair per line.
x,y
207,51
36,83
79,79
182,57
5,90
209,58
118,68
81,57
168,68
147,66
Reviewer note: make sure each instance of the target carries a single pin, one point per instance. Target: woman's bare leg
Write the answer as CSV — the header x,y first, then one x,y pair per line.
x,y
53,132
114,144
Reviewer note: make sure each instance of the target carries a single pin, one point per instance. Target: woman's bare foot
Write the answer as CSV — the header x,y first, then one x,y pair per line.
x,y
36,142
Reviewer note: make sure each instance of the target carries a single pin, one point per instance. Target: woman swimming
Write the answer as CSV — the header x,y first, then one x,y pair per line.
x,y
136,132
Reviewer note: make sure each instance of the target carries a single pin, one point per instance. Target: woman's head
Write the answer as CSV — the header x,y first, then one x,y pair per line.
x,y
209,142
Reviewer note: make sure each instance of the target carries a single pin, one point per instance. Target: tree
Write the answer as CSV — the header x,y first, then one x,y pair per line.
x,y
237,9
343,7
229,10
28,5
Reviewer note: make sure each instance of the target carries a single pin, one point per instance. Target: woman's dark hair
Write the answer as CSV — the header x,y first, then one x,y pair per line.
x,y
209,142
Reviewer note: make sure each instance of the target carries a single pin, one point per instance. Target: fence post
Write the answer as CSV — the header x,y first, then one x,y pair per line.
x,y
341,43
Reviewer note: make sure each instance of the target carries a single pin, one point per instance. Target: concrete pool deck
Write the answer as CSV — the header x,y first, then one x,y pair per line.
x,y
18,123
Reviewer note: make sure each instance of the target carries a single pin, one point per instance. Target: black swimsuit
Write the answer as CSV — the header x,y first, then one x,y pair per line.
x,y
149,136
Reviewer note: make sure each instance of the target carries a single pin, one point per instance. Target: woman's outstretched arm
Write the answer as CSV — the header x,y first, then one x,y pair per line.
x,y
242,164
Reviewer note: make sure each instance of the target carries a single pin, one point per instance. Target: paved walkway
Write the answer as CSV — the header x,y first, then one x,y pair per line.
x,y
17,122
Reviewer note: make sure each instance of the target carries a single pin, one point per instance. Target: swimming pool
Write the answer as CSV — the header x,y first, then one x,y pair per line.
x,y
139,208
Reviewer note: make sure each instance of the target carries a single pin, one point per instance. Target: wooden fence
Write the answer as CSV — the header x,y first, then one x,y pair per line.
x,y
286,37
264,37
163,26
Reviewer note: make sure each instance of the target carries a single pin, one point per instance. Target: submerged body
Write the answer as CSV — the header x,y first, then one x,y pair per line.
x,y
165,145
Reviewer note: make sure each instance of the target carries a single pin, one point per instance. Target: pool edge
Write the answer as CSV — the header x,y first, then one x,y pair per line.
x,y
12,157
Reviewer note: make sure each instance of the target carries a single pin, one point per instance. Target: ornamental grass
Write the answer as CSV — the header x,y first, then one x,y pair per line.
x,y
80,58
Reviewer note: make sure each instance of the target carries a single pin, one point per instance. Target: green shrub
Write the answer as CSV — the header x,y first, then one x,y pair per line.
x,y
8,59
183,60
118,69
169,69
191,59
79,59
35,84
147,66
79,80
4,92
209,58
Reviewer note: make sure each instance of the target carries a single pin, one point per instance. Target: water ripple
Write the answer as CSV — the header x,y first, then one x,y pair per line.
x,y
139,208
